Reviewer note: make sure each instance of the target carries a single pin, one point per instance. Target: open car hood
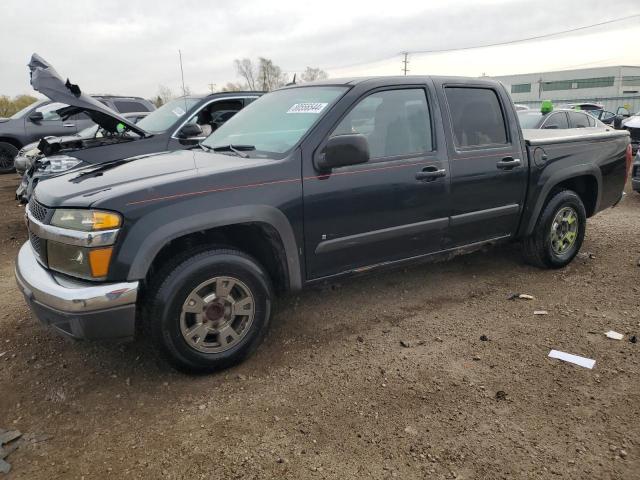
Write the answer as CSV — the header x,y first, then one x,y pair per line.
x,y
47,81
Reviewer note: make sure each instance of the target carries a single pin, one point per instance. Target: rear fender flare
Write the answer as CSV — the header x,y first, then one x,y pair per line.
x,y
553,181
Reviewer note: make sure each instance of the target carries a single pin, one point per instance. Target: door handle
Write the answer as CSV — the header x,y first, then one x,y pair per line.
x,y
507,163
430,173
69,125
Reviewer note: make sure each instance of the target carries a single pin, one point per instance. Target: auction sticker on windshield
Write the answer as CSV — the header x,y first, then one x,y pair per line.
x,y
307,107
178,112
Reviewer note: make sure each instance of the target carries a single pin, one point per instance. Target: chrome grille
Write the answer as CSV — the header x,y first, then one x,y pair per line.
x,y
38,211
37,244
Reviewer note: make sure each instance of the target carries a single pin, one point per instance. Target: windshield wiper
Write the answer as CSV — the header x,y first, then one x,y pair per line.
x,y
237,149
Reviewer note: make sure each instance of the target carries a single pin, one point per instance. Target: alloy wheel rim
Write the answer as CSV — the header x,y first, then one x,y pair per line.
x,y
6,160
217,314
564,230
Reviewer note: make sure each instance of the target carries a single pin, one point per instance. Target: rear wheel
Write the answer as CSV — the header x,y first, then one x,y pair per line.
x,y
559,232
209,310
8,154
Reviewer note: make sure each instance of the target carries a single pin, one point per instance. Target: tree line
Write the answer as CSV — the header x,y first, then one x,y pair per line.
x,y
263,75
9,106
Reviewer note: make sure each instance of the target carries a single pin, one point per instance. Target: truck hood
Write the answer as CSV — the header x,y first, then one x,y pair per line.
x,y
47,81
135,176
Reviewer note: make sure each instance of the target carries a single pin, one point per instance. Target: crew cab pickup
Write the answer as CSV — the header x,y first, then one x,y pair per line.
x,y
306,184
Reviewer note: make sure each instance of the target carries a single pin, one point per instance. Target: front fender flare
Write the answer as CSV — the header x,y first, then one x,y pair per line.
x,y
151,233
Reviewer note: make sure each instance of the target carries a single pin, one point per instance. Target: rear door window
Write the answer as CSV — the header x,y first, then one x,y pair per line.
x,y
476,116
128,106
578,120
395,122
556,120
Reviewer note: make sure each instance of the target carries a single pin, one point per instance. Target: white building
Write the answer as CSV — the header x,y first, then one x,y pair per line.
x,y
611,86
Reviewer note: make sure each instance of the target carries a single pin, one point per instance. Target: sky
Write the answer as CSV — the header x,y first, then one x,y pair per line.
x,y
131,47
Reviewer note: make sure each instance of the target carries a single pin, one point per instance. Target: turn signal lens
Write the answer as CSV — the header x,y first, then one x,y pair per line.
x,y
85,220
105,220
99,259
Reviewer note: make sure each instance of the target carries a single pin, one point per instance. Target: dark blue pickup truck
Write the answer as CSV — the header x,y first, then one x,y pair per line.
x,y
308,183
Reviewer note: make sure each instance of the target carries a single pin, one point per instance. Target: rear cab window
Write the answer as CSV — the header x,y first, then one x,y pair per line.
x,y
477,118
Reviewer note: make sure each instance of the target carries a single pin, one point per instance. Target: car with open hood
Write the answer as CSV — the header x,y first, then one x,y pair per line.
x,y
28,154
179,124
48,117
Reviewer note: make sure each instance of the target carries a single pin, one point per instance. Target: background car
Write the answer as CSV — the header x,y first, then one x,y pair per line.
x,y
47,117
604,116
632,125
557,119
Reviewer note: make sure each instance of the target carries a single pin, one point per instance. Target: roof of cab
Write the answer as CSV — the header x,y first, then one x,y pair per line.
x,y
393,78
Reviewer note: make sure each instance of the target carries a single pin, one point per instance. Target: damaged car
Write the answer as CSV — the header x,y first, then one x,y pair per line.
x,y
30,153
177,125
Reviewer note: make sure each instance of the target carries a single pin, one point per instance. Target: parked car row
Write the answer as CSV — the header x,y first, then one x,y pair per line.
x,y
305,184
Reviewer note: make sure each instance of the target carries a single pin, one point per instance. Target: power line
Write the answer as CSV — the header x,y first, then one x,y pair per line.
x,y
473,47
525,39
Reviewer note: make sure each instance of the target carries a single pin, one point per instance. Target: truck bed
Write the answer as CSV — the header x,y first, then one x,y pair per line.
x,y
535,137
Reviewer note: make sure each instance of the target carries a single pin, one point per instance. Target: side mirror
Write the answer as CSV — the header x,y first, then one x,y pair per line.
x,y
36,117
617,122
190,130
343,150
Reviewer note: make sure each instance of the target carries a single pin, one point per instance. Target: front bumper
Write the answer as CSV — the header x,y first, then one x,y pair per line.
x,y
78,309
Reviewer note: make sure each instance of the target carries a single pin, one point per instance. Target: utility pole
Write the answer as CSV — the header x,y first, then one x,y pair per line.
x,y
212,87
405,62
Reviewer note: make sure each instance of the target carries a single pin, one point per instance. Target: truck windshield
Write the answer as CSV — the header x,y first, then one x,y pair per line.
x,y
161,119
529,119
274,123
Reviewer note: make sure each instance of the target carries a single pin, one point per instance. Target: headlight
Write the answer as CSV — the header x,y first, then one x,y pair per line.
x,y
62,163
85,220
83,262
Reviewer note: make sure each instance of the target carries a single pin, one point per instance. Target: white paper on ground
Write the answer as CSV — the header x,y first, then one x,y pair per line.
x,y
567,357
614,335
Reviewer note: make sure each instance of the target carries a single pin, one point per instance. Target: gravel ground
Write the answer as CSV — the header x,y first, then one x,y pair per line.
x,y
375,377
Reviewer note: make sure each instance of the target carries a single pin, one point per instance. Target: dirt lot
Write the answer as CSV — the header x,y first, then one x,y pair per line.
x,y
377,377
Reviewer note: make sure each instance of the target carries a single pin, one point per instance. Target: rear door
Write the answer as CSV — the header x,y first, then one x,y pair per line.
x,y
488,169
390,208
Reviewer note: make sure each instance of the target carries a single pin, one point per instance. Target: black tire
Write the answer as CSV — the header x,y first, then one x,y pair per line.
x,y
8,154
175,282
538,249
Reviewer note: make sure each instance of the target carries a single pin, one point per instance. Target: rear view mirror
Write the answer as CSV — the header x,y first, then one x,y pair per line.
x,y
190,130
36,117
343,150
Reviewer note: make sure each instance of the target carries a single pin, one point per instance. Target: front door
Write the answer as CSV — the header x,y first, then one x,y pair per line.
x,y
51,124
390,208
489,169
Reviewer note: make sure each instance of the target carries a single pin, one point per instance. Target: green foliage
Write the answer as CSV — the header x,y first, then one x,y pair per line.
x,y
9,106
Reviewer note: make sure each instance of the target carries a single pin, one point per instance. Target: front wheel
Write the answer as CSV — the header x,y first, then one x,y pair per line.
x,y
7,156
209,310
559,232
